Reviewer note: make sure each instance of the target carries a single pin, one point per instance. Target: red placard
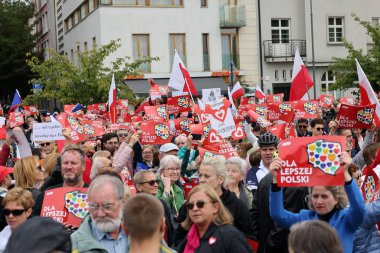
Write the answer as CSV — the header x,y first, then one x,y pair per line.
x,y
30,110
279,131
311,161
3,132
72,125
222,148
99,108
326,101
65,204
247,101
155,133
263,123
280,111
16,119
348,100
178,104
351,116
157,113
93,127
182,126
275,97
122,104
305,109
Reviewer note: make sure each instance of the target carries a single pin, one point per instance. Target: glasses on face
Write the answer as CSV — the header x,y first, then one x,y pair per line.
x,y
15,212
172,169
200,204
46,144
107,208
319,129
147,152
151,182
302,126
122,135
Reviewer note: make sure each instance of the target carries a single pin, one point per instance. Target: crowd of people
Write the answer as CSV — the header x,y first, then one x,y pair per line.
x,y
139,198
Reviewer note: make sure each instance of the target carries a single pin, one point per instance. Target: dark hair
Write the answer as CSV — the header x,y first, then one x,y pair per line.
x,y
316,121
143,209
37,152
325,239
352,168
109,136
302,120
255,157
370,152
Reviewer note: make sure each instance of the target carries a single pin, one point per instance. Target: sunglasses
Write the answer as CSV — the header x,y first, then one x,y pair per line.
x,y
45,144
122,135
16,212
151,182
200,204
302,126
319,128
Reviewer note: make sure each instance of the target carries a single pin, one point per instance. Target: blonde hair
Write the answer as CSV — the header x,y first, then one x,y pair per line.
x,y
222,217
101,153
24,172
219,166
338,193
49,163
21,196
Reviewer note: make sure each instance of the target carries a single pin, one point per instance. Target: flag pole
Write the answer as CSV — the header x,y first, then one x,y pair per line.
x,y
191,95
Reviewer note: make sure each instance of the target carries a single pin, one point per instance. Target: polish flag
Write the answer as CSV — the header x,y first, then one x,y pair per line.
x,y
259,94
301,80
180,78
112,101
367,94
237,91
230,98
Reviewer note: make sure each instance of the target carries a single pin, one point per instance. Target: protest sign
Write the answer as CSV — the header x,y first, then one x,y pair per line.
x,y
239,132
93,127
73,126
275,97
178,104
47,131
99,108
15,119
220,116
370,186
209,96
155,133
326,101
263,123
351,116
348,100
157,113
30,110
122,104
311,161
280,111
221,147
182,126
65,204
305,109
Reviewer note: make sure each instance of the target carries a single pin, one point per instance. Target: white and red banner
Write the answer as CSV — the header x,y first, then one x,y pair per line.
x,y
301,80
351,116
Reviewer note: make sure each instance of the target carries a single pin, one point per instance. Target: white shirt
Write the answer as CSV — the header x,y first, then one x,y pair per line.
x,y
4,237
262,172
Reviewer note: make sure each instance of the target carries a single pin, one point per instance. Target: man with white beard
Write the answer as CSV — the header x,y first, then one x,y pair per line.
x,y
101,230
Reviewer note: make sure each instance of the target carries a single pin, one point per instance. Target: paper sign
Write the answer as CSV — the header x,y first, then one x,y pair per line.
x,y
47,131
93,127
263,123
178,104
30,110
221,119
2,121
350,116
305,109
326,101
311,161
99,108
16,119
156,113
66,204
155,133
209,96
22,143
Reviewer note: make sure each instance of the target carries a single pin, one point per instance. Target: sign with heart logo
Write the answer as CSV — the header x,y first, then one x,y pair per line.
x,y
351,116
305,109
93,127
65,204
275,97
221,118
16,119
157,113
178,104
238,133
326,101
155,133
221,147
212,137
311,161
263,123
73,126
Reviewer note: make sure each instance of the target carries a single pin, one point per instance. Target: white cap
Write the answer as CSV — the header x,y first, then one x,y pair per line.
x,y
168,147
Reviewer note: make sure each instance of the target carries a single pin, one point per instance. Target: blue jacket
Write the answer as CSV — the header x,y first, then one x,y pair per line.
x,y
367,238
346,221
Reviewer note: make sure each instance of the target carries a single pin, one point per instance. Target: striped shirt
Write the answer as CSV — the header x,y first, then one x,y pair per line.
x,y
121,244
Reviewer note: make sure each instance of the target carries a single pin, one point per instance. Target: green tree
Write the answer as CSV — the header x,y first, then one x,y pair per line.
x,y
16,40
87,83
345,69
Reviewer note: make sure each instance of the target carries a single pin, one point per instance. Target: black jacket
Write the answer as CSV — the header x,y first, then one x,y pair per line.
x,y
221,239
271,238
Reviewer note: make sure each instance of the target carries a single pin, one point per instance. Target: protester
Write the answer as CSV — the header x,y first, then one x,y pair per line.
x,y
47,146
327,204
18,204
302,127
210,225
168,149
111,142
101,230
99,164
317,128
314,237
49,164
123,158
144,222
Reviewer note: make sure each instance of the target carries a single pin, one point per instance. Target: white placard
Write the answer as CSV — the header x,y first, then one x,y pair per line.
x,y
222,121
179,93
47,131
209,96
2,121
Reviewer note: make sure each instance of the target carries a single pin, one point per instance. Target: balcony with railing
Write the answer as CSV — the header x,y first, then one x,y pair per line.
x,y
232,16
142,3
283,51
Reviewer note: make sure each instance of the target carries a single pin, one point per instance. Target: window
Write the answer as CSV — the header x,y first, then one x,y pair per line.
x,y
284,74
141,50
203,3
335,28
376,21
93,42
206,56
327,79
280,29
229,50
85,46
276,75
96,3
72,56
177,42
291,74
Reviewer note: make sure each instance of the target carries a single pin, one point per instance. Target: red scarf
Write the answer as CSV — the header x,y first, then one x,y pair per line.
x,y
192,240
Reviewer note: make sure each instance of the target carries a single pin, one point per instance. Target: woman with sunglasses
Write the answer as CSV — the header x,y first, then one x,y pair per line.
x,y
29,175
18,204
210,225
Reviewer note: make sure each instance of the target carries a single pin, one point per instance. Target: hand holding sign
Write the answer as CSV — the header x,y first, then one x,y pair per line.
x,y
274,167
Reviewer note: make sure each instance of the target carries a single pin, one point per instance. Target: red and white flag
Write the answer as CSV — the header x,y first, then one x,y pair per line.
x,y
237,91
180,78
301,80
112,101
259,94
367,94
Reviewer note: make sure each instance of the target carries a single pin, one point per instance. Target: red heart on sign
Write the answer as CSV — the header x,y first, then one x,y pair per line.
x,y
220,114
238,133
214,137
204,118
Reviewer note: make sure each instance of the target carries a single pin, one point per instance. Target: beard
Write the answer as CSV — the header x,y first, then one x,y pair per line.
x,y
107,224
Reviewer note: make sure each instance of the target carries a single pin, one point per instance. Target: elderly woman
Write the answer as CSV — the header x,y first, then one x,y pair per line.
x,y
99,165
327,203
28,174
210,225
18,204
236,170
172,194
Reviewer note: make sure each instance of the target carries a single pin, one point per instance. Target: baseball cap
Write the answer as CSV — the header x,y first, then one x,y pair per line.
x,y
168,147
4,171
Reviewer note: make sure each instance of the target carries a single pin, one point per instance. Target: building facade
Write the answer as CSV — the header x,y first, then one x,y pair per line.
x,y
45,26
286,25
207,34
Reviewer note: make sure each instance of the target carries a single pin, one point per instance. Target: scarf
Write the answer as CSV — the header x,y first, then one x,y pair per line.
x,y
192,240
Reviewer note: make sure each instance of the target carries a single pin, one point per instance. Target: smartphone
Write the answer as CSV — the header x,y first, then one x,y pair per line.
x,y
197,137
196,119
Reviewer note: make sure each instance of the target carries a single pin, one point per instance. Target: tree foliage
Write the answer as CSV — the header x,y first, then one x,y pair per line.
x,y
87,83
16,40
345,68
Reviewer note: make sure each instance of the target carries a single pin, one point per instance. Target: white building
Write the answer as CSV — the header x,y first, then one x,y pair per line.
x,y
207,34
286,24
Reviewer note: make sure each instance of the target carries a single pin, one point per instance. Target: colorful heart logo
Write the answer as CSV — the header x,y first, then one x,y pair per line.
x,y
285,108
162,112
75,124
76,202
310,108
206,130
327,100
365,115
262,111
324,155
262,122
162,131
88,129
185,125
370,188
183,102
277,98
102,107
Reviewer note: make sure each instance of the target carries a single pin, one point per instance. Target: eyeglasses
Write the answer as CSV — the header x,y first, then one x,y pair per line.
x,y
200,204
147,153
172,169
107,208
15,212
122,135
45,144
302,126
319,128
151,182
